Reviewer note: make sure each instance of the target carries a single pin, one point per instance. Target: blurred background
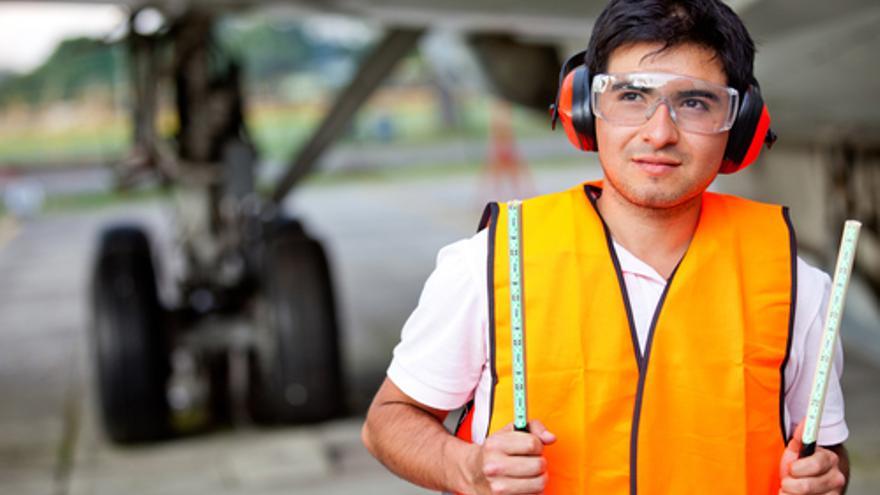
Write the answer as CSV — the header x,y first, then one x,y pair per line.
x,y
216,216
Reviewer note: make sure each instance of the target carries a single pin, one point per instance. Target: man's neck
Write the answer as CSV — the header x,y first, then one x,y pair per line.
x,y
659,237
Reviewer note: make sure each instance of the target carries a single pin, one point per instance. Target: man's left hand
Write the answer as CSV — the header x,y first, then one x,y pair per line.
x,y
817,474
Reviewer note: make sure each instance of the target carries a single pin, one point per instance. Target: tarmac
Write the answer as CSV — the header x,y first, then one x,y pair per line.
x,y
382,237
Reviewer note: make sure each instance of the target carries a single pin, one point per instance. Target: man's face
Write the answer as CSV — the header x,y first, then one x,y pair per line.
x,y
656,165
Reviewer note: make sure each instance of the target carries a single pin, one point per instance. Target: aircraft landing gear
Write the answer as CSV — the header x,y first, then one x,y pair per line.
x,y
255,322
283,318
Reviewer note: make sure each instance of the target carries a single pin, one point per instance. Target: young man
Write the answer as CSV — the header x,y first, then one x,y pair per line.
x,y
671,333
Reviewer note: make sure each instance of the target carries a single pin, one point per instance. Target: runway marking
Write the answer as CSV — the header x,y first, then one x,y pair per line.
x,y
8,230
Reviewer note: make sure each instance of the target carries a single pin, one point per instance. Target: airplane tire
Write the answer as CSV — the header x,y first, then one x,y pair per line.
x,y
128,339
295,374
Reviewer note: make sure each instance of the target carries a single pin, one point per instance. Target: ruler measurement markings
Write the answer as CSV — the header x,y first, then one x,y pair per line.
x,y
834,315
517,323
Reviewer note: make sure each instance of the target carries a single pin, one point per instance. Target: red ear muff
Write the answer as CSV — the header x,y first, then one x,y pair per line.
x,y
572,106
749,133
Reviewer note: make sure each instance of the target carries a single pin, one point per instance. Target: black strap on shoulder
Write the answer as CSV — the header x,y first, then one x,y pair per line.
x,y
490,211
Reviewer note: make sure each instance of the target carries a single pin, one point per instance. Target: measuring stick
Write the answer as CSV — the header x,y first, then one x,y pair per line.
x,y
517,322
842,271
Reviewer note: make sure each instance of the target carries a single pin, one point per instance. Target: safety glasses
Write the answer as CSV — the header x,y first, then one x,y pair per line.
x,y
695,105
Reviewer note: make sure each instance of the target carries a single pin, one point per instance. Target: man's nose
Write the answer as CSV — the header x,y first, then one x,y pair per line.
x,y
660,130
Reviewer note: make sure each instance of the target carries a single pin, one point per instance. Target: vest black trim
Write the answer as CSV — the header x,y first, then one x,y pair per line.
x,y
792,238
490,217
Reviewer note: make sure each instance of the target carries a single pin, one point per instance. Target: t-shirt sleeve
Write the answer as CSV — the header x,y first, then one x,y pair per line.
x,y
442,349
814,287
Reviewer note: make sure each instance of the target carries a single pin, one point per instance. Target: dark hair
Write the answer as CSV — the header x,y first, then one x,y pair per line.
x,y
708,23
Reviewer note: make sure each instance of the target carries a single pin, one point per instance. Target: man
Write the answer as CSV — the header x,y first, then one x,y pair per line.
x,y
670,333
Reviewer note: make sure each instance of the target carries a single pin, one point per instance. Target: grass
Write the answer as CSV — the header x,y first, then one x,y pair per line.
x,y
107,199
104,199
34,146
96,135
89,135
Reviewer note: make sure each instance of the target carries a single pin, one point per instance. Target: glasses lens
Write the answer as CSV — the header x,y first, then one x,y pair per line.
x,y
695,105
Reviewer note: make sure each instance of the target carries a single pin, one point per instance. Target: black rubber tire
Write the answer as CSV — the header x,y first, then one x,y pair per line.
x,y
295,377
128,338
220,400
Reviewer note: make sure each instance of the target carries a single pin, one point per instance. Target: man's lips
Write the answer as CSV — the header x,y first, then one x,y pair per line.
x,y
656,160
656,165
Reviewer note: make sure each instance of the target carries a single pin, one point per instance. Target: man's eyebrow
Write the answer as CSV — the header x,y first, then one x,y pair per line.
x,y
690,93
634,87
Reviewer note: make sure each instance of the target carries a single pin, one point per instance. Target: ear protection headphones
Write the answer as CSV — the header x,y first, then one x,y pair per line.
x,y
750,131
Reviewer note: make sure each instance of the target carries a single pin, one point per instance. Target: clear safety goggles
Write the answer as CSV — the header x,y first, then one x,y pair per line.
x,y
695,105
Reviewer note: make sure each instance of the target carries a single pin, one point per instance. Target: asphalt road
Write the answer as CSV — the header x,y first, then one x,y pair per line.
x,y
382,238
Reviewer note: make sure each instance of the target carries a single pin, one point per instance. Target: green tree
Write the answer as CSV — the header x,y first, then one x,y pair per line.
x,y
75,65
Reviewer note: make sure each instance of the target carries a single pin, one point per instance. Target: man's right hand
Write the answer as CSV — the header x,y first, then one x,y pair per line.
x,y
511,462
409,438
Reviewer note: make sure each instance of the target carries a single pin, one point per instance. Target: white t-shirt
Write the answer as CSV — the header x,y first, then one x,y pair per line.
x,y
442,359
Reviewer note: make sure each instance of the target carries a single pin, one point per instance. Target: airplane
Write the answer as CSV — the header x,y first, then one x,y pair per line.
x,y
256,278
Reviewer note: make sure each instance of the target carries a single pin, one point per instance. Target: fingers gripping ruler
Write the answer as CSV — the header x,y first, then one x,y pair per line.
x,y
842,272
517,322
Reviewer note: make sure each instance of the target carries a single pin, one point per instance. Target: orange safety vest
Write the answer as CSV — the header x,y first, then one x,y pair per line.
x,y
702,410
